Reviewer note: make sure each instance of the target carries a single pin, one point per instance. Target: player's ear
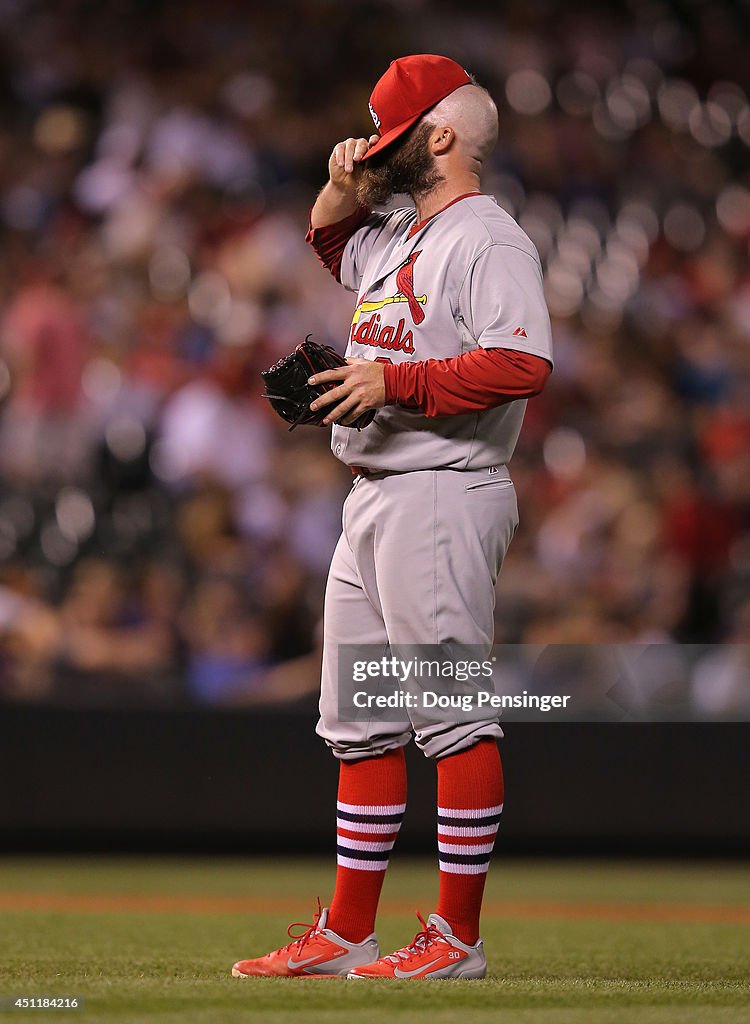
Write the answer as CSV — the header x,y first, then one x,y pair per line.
x,y
442,140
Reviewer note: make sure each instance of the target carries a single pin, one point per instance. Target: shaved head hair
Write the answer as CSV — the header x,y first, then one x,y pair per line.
x,y
471,112
408,165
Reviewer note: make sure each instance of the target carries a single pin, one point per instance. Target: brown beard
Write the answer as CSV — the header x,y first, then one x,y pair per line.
x,y
407,168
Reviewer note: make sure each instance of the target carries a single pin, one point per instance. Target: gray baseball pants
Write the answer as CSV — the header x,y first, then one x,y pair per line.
x,y
416,563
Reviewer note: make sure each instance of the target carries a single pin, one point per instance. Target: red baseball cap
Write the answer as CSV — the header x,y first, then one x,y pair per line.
x,y
410,86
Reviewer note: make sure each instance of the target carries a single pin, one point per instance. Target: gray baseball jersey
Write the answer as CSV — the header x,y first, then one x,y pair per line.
x,y
468,277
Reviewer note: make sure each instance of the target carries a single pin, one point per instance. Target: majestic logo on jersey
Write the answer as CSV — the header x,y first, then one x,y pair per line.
x,y
371,332
375,117
520,332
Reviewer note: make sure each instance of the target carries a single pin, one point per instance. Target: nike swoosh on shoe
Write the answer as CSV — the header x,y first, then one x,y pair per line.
x,y
398,973
294,965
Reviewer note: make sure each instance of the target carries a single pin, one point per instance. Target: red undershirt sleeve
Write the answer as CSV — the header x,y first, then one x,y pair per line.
x,y
472,382
329,242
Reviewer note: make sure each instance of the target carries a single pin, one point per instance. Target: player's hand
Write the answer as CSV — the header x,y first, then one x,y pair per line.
x,y
362,387
344,159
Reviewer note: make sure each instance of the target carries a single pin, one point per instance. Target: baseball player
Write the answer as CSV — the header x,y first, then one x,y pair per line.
x,y
450,335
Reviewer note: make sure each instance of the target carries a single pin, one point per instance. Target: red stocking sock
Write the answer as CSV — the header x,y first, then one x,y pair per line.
x,y
371,804
470,801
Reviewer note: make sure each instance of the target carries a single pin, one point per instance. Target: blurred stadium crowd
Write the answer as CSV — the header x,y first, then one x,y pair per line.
x,y
162,537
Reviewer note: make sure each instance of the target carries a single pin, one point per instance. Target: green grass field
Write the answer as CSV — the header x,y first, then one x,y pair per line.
x,y
154,940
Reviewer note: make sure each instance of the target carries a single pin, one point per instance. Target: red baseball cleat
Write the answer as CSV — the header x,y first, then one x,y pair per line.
x,y
316,953
434,953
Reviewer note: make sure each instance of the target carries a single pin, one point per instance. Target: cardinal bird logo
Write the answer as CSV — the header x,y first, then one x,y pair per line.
x,y
367,327
405,285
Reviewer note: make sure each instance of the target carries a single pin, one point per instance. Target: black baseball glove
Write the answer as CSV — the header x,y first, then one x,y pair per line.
x,y
289,393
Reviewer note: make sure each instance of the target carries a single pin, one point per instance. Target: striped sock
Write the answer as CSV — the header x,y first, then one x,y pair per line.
x,y
369,811
470,802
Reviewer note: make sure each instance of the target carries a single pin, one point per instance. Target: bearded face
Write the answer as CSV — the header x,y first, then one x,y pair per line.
x,y
407,167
